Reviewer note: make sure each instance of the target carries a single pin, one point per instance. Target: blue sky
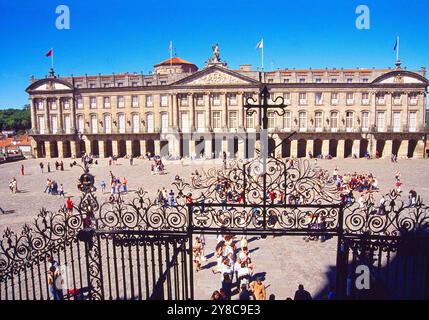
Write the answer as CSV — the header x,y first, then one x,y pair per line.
x,y
126,36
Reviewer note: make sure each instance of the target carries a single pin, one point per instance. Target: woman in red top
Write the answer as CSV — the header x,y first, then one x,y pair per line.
x,y
69,205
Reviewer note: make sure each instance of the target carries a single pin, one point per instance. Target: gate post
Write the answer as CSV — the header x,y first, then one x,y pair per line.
x,y
339,276
190,230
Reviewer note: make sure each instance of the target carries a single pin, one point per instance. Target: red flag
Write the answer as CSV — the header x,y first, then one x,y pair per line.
x,y
49,53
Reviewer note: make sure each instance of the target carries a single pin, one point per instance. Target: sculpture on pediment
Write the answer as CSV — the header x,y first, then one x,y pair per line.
x,y
216,55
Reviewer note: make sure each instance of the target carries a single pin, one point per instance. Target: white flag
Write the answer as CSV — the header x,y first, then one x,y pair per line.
x,y
260,44
170,47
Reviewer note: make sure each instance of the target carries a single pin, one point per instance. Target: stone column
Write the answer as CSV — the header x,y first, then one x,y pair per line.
x,y
207,105
33,115
242,112
192,152
191,103
73,115
47,149
142,147
325,147
294,148
47,116
157,145
403,150
420,149
224,110
208,147
101,151
60,103
73,150
340,149
171,110
115,150
356,148
129,146
60,146
372,147
387,151
225,146
174,114
309,147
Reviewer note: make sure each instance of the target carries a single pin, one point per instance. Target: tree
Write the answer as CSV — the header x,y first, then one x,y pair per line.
x,y
15,119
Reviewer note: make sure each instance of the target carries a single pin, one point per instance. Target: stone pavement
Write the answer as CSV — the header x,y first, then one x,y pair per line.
x,y
284,261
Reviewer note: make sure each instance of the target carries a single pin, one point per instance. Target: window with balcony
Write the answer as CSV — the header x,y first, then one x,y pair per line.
x,y
93,102
164,100
216,120
250,121
54,124
79,102
94,124
412,121
149,123
286,98
121,123
365,98
396,121
80,123
107,123
302,98
350,98
334,98
216,99
66,104
349,121
287,121
380,121
121,102
41,124
365,121
201,121
164,122
334,121
106,102
135,101
184,122
302,121
319,98
232,99
271,120
149,100
67,124
135,122
318,121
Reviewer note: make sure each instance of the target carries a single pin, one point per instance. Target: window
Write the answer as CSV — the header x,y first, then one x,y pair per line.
x,y
120,84
286,97
250,121
233,122
349,121
216,99
149,100
121,123
200,121
79,102
318,97
164,100
106,85
365,121
287,121
270,80
302,80
334,121
121,102
302,121
318,123
334,98
93,102
302,98
149,123
365,80
164,122
232,99
216,120
94,125
67,123
333,80
271,120
200,100
52,104
106,102
41,124
412,121
396,98
396,121
80,124
107,123
365,98
349,80
286,80
413,98
148,83
318,80
380,121
349,98
135,121
183,99
66,104
134,84
54,124
184,122
163,83
39,104
92,85
380,98
135,101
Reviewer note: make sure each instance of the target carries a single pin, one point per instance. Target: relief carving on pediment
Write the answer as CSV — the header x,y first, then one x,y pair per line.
x,y
217,77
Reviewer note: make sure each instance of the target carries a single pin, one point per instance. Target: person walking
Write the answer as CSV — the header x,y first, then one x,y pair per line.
x,y
131,160
62,165
49,167
41,167
22,170
302,294
69,205
53,276
103,186
124,185
61,193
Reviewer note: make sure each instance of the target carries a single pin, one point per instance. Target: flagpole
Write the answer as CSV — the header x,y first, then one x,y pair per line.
x,y
262,54
52,59
397,49
171,53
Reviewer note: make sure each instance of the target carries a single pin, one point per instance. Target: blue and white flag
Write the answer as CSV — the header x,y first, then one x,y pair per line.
x,y
260,44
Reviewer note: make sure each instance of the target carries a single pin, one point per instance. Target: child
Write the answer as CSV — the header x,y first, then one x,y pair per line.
x,y
62,191
103,186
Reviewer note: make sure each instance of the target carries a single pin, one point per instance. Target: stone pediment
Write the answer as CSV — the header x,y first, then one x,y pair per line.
x,y
49,84
401,77
215,76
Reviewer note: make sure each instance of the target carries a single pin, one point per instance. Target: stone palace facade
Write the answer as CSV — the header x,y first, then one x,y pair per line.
x,y
181,111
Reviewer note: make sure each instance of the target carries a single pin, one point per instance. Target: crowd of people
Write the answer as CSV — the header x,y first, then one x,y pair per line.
x,y
53,188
